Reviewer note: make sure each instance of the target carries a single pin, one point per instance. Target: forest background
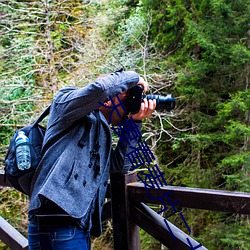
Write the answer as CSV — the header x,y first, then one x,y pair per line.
x,y
198,50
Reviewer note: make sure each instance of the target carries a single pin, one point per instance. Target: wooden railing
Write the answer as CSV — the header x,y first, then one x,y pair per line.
x,y
129,212
8,234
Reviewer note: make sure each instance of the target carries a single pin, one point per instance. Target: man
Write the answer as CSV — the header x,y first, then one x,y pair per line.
x,y
69,186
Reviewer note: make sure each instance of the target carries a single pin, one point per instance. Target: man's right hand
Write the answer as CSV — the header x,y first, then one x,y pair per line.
x,y
144,84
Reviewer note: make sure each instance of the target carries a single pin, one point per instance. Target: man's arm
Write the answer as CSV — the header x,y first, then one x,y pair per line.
x,y
119,160
79,102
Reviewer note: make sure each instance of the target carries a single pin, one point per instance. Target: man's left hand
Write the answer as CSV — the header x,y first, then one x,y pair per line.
x,y
146,110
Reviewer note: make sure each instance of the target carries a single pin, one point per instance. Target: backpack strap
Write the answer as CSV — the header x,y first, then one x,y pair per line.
x,y
43,115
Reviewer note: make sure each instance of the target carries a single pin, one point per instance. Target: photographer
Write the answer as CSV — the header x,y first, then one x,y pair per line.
x,y
69,187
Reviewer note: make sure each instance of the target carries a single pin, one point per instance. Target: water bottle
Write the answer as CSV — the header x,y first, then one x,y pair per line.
x,y
23,156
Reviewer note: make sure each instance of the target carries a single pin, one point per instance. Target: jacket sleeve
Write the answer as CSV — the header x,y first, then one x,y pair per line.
x,y
74,104
119,159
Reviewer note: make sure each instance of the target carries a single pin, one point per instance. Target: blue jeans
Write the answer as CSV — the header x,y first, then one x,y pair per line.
x,y
57,238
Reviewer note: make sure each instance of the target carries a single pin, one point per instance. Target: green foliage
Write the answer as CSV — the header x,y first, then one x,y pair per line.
x,y
148,242
41,49
206,44
230,232
198,50
14,208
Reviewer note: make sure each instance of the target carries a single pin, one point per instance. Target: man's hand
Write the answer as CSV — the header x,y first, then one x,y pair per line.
x,y
147,108
144,84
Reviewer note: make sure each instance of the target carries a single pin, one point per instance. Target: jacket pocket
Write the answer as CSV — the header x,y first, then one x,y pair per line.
x,y
79,181
72,173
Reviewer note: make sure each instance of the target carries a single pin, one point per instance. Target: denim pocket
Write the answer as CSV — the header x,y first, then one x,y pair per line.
x,y
63,234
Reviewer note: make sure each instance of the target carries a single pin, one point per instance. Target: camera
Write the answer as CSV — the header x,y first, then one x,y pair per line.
x,y
135,97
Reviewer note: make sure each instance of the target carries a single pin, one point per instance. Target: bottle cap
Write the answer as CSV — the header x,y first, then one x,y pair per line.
x,y
21,138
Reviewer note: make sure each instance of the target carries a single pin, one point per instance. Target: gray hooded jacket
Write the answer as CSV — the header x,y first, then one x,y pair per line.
x,y
67,174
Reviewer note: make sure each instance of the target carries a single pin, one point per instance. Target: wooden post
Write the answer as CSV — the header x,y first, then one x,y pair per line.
x,y
126,233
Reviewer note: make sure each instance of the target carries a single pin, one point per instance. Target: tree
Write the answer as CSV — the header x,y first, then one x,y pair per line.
x,y
205,45
41,50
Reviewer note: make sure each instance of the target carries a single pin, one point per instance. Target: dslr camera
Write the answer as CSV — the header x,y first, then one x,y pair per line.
x,y
135,97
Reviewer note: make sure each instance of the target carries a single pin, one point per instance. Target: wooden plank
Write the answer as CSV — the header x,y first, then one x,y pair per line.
x,y
152,223
11,237
125,231
207,199
2,182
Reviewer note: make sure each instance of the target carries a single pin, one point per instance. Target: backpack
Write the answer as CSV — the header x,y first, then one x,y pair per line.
x,y
21,179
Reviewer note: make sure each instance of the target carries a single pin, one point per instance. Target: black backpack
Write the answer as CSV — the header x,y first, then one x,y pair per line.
x,y
21,179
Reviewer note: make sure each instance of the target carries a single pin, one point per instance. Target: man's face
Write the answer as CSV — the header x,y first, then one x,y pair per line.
x,y
115,118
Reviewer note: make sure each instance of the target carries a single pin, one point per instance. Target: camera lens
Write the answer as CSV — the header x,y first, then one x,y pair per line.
x,y
162,102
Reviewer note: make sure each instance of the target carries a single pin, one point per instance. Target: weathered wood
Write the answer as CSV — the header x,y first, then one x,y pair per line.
x,y
11,237
125,231
154,224
208,199
126,192
2,182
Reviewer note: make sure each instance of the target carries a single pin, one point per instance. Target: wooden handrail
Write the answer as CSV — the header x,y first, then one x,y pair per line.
x,y
207,199
11,237
129,211
152,223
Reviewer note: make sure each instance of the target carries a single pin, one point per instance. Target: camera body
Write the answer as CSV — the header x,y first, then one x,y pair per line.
x,y
135,97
